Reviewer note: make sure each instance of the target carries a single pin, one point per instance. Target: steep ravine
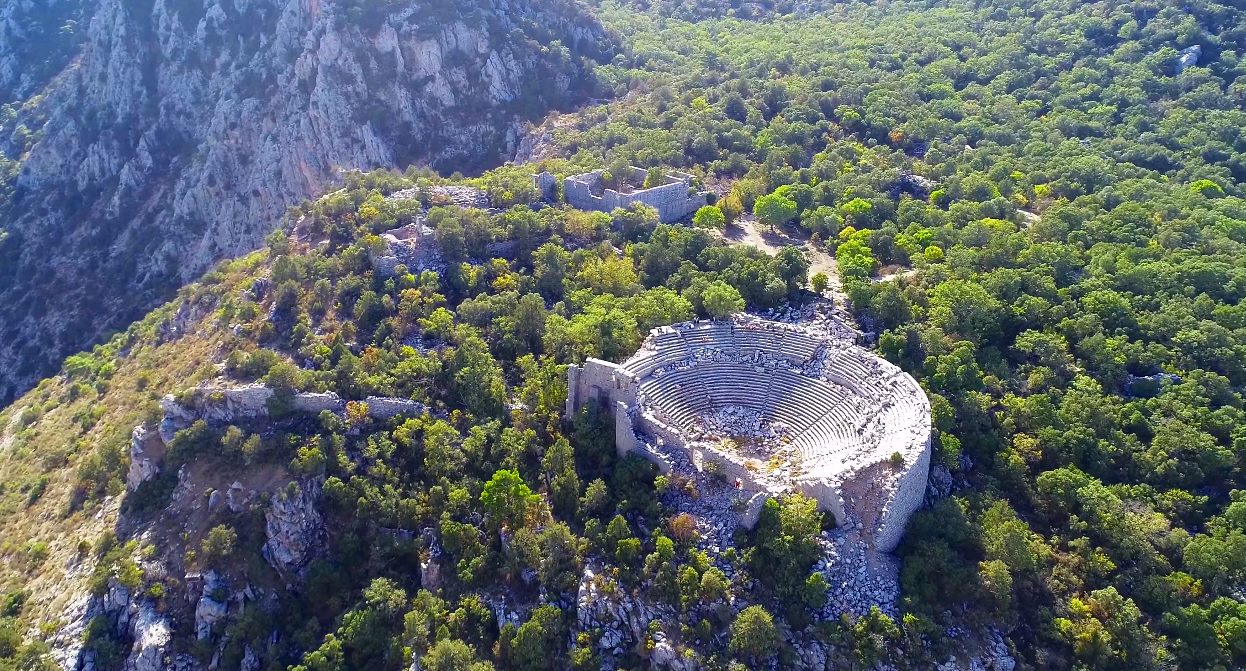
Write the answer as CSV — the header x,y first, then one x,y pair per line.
x,y
182,129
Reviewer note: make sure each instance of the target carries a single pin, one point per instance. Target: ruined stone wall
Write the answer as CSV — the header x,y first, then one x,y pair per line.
x,y
752,510
908,497
381,407
573,390
578,190
546,185
314,404
594,381
649,423
237,404
250,402
625,440
673,201
827,496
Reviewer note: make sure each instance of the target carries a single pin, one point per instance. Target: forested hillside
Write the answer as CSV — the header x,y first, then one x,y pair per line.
x,y
1036,208
1077,308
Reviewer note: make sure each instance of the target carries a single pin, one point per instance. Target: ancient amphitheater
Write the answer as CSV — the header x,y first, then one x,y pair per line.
x,y
768,408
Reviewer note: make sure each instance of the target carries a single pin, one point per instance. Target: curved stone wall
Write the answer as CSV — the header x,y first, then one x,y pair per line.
x,y
777,407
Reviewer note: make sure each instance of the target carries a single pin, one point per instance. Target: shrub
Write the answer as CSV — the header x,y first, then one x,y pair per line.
x,y
754,635
218,545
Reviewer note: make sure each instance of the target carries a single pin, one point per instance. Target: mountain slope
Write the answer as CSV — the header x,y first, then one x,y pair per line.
x,y
182,130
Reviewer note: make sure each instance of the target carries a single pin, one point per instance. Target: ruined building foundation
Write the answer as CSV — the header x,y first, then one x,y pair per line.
x,y
675,199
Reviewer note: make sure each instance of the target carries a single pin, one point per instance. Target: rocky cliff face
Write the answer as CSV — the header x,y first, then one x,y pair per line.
x,y
182,129
37,39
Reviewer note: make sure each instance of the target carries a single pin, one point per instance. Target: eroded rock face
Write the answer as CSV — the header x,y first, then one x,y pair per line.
x,y
146,451
152,637
183,130
33,43
132,617
295,529
209,611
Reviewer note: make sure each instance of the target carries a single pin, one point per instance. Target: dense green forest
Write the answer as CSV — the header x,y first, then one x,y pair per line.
x,y
1066,193
1077,312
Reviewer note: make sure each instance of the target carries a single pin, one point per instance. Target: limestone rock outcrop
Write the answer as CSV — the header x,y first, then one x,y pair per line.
x,y
169,135
294,528
131,617
146,450
152,636
34,44
209,610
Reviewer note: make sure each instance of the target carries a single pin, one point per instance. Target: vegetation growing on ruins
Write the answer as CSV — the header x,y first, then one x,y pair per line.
x,y
1076,311
1068,198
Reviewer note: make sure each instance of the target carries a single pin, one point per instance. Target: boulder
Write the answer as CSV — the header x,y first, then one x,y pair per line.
x,y
1189,57
234,497
939,486
207,613
665,656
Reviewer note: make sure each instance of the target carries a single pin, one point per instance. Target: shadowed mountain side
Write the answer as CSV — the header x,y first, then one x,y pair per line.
x,y
182,132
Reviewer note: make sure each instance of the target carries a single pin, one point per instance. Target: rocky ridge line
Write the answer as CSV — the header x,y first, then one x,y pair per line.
x,y
179,137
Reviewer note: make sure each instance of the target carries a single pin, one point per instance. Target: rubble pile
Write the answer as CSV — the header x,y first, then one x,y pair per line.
x,y
745,425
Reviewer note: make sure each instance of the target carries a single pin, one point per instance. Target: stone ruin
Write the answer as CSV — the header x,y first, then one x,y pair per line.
x,y
246,403
674,200
413,246
773,408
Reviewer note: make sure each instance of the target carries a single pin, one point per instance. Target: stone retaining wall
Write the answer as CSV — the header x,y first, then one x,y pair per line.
x,y
909,495
250,402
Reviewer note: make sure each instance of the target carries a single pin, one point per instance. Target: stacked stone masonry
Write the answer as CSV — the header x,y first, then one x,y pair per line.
x,y
774,408
676,199
246,403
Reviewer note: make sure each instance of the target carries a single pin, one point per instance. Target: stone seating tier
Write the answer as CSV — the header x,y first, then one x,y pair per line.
x,y
843,410
818,414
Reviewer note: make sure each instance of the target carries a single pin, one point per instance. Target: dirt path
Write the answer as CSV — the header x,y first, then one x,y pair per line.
x,y
748,231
